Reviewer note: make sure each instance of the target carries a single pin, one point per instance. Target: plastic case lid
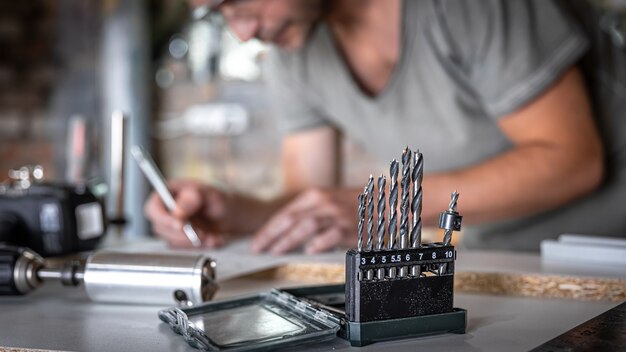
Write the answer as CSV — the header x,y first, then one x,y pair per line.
x,y
265,321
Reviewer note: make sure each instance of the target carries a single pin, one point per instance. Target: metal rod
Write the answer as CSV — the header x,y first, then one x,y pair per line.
x,y
381,212
393,203
404,205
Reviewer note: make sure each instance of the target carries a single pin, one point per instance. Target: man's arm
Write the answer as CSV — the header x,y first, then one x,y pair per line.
x,y
557,157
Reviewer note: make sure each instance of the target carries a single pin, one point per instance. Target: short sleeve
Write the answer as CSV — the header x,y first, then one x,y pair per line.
x,y
513,50
292,102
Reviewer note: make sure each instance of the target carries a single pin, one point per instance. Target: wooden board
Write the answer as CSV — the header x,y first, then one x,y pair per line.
x,y
530,285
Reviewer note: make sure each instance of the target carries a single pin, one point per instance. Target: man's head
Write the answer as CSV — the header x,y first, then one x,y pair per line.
x,y
286,23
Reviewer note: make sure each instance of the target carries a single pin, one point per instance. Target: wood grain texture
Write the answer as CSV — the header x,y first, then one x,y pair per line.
x,y
527,285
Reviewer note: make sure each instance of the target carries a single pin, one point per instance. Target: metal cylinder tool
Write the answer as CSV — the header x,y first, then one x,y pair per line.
x,y
150,277
113,276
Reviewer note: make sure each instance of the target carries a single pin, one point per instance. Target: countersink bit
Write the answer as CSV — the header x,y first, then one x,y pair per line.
x,y
361,211
393,203
370,213
452,208
404,205
380,229
449,221
417,176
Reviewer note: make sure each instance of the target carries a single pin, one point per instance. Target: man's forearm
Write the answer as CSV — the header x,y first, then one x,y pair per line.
x,y
523,181
557,157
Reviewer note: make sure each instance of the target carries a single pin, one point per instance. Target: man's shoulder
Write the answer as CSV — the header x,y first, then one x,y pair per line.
x,y
311,58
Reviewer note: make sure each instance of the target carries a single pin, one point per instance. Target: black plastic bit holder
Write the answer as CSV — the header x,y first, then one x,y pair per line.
x,y
400,307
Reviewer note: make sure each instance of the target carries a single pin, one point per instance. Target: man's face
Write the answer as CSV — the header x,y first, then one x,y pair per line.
x,y
286,23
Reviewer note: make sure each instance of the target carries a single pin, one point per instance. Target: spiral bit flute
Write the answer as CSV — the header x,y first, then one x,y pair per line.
x,y
370,213
404,205
361,214
417,176
452,208
380,229
393,203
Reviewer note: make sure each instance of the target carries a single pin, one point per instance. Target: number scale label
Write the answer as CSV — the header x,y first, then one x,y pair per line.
x,y
418,256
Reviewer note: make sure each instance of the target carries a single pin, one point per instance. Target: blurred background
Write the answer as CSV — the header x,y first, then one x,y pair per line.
x,y
193,95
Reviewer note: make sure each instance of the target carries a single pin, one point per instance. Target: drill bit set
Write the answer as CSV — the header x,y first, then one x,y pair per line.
x,y
397,278
396,286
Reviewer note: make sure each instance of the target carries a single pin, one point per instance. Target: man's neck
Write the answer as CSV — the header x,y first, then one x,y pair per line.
x,y
368,35
358,15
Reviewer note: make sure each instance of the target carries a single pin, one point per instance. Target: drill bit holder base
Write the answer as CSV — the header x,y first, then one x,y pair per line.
x,y
392,307
362,334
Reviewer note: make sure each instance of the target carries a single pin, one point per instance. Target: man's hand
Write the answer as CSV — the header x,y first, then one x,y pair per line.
x,y
316,220
203,205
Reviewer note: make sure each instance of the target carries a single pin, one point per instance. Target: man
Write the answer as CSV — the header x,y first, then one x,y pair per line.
x,y
493,93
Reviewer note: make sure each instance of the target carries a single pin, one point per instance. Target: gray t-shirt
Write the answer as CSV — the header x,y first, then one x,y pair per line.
x,y
463,66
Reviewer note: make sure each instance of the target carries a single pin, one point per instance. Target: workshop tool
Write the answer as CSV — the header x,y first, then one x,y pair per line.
x,y
380,273
381,203
417,174
449,221
388,306
115,276
51,218
393,203
152,173
370,212
374,304
404,203
361,210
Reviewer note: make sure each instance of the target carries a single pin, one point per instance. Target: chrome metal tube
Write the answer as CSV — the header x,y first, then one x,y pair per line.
x,y
150,278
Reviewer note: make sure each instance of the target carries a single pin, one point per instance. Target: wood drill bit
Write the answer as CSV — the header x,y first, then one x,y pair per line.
x,y
393,203
370,213
380,229
404,204
447,235
361,211
417,176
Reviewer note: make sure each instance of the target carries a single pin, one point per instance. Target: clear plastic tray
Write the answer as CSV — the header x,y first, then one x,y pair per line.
x,y
262,322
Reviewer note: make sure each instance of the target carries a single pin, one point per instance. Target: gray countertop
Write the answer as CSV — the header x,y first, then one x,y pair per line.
x,y
62,318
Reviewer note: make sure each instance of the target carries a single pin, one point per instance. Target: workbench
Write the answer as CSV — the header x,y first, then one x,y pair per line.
x,y
63,318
